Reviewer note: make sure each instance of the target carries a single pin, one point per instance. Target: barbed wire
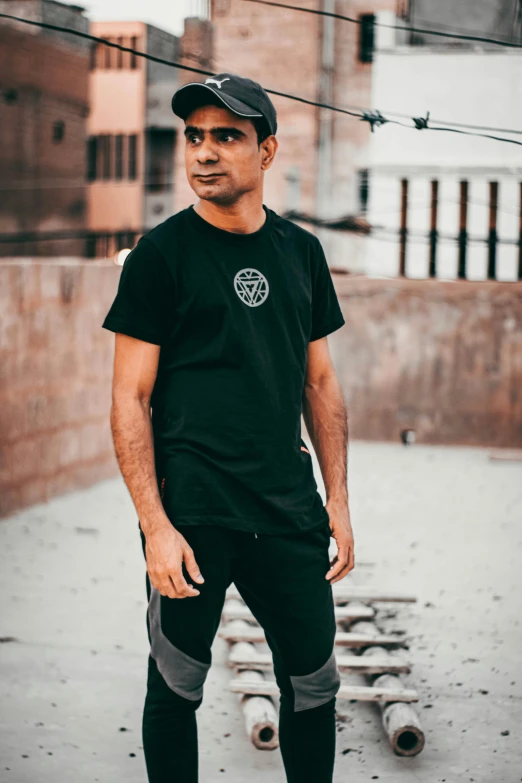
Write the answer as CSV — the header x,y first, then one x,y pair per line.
x,y
373,117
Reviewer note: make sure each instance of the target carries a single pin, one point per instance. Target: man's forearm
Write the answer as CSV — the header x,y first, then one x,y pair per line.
x,y
326,420
133,444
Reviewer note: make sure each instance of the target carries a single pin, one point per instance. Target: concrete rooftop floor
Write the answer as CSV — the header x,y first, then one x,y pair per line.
x,y
442,523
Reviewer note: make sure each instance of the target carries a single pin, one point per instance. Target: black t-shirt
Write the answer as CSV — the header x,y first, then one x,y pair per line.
x,y
233,314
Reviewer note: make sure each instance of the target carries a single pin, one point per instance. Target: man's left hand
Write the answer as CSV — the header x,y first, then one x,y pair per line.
x,y
341,528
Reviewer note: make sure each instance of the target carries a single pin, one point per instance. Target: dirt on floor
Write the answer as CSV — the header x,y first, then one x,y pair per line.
x,y
442,523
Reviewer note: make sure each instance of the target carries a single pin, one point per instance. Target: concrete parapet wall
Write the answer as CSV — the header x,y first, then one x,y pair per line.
x,y
55,378
441,358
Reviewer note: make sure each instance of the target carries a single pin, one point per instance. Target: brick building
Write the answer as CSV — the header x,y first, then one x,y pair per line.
x,y
321,164
44,107
132,130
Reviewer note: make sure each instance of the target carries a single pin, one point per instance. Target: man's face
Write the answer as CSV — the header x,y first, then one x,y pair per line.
x,y
222,156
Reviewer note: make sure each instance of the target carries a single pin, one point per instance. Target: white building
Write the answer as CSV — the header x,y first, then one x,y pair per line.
x,y
462,186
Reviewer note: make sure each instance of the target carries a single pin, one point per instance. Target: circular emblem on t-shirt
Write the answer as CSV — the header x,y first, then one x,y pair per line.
x,y
251,286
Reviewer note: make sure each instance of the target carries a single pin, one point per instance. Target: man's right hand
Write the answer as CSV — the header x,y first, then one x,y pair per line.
x,y
166,550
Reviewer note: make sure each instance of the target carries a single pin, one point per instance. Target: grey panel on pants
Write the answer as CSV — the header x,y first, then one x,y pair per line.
x,y
183,674
312,690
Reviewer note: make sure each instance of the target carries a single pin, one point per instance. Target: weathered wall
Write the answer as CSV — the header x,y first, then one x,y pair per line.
x,y
43,82
314,172
442,358
55,376
197,44
264,44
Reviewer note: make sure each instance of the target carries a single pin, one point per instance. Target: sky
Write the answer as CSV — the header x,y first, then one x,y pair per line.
x,y
166,14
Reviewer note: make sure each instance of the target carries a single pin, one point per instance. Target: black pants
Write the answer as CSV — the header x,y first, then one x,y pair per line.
x,y
282,581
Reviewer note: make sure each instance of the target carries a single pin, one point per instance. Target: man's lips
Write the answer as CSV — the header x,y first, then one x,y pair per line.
x,y
208,176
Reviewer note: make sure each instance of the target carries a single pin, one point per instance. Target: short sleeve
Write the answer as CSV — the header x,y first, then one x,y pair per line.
x,y
326,311
143,303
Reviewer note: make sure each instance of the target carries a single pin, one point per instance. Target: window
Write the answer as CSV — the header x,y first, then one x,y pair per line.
x,y
104,244
364,189
133,58
100,55
119,53
107,55
105,152
366,37
463,228
125,239
58,131
492,237
90,245
92,148
434,234
112,157
159,157
132,163
118,157
10,95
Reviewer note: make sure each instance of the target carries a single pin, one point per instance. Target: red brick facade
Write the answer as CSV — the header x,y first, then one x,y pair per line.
x,y
283,50
44,108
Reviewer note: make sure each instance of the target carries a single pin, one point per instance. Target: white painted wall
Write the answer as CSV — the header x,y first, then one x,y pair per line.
x,y
482,88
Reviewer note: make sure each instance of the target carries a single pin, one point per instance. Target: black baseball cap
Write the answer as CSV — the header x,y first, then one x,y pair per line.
x,y
243,96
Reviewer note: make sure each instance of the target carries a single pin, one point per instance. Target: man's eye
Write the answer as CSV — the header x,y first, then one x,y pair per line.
x,y
193,139
228,137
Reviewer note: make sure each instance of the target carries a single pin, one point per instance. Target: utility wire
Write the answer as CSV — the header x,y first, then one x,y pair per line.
x,y
359,110
424,31
450,27
96,39
42,184
347,225
374,117
421,204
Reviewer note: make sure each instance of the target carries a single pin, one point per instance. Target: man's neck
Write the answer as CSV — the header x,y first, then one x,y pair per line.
x,y
244,217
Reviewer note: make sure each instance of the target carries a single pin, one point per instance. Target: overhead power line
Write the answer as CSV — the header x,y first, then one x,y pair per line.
x,y
406,28
65,234
49,184
373,117
96,39
347,224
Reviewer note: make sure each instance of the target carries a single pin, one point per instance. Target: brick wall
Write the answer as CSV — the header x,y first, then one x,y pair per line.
x,y
55,379
442,358
281,50
197,52
43,81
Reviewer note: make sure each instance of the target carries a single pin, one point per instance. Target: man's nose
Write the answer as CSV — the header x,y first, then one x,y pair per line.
x,y
207,152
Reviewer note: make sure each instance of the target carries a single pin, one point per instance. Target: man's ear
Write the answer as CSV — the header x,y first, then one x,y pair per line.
x,y
268,150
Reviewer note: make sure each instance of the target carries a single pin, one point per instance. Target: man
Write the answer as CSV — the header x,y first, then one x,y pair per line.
x,y
221,319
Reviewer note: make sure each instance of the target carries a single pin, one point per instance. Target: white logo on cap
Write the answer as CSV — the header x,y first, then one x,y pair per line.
x,y
216,81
